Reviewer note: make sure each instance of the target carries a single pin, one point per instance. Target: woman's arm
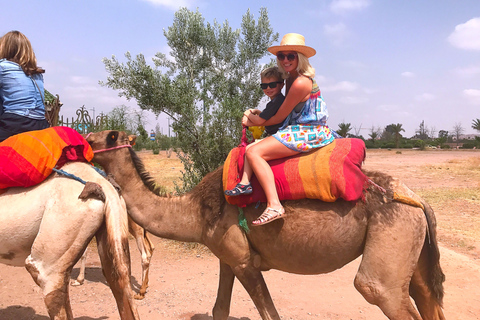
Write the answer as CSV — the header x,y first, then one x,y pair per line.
x,y
299,91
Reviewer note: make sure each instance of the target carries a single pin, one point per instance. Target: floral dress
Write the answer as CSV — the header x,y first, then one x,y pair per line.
x,y
307,129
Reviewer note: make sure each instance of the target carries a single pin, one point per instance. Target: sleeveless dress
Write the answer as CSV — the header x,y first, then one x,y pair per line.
x,y
306,129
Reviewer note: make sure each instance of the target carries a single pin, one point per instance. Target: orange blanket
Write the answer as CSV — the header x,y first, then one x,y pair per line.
x,y
28,158
328,173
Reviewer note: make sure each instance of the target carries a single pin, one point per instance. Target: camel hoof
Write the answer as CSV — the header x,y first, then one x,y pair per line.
x,y
76,283
139,296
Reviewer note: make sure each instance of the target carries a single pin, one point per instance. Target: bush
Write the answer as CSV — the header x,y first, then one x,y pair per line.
x,y
469,145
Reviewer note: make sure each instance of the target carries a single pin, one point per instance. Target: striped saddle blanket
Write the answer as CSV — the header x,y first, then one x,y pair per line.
x,y
328,173
28,158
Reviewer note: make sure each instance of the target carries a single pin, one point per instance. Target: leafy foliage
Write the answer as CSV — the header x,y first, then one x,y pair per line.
x,y
205,85
344,129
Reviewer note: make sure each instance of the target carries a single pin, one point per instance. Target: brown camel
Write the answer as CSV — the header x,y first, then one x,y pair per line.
x,y
47,227
145,246
398,241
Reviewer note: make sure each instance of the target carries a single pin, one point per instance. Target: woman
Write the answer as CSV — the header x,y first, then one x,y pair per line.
x,y
305,127
21,87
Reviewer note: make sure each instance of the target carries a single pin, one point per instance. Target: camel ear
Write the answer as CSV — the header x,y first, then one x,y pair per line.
x,y
131,139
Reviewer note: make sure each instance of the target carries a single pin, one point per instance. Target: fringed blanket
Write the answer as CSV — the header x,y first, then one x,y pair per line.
x,y
329,173
28,158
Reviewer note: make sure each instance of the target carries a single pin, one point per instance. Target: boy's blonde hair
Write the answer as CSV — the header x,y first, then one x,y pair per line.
x,y
303,68
272,72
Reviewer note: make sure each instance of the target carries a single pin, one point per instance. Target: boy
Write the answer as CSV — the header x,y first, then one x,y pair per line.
x,y
272,85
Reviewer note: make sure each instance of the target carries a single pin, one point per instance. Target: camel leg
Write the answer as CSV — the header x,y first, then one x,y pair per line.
x,y
252,280
392,250
118,277
221,310
50,264
81,276
146,247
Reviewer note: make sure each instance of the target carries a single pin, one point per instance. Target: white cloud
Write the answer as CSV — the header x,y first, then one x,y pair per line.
x,y
473,95
408,74
425,97
337,32
342,86
387,107
172,4
466,35
342,6
353,100
468,71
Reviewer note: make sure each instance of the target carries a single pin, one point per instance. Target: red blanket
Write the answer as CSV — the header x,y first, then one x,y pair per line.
x,y
328,173
28,158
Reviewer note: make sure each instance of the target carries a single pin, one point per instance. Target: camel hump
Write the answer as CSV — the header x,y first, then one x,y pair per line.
x,y
92,190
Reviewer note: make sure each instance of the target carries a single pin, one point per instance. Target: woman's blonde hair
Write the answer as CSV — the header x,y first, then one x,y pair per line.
x,y
15,47
303,67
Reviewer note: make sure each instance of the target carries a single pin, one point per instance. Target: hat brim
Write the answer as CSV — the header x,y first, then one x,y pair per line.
x,y
305,50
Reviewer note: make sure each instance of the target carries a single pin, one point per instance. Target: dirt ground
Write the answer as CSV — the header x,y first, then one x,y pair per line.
x,y
183,279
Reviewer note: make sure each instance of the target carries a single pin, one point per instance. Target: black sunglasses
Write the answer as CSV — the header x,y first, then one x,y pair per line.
x,y
270,84
290,56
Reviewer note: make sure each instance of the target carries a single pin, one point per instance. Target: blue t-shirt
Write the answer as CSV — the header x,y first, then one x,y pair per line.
x,y
18,92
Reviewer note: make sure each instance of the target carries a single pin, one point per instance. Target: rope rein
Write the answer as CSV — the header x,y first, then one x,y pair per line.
x,y
113,148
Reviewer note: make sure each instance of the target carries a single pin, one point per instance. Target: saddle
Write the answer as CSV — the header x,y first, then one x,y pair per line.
x,y
327,174
28,158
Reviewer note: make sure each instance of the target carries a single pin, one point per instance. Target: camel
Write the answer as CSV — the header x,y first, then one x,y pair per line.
x,y
397,241
47,227
145,246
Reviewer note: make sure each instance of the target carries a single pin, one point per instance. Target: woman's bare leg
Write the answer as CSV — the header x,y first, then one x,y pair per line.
x,y
257,156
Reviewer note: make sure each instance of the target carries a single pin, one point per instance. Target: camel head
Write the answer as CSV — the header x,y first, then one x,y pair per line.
x,y
108,140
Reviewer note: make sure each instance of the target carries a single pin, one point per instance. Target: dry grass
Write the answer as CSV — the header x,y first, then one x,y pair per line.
x,y
457,208
166,171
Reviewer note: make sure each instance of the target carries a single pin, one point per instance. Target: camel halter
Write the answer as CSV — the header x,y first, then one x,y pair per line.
x,y
108,149
113,148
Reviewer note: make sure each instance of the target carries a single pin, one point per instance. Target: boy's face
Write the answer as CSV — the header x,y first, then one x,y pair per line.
x,y
272,92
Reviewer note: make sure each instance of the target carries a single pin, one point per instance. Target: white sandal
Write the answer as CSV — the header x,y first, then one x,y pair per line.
x,y
269,215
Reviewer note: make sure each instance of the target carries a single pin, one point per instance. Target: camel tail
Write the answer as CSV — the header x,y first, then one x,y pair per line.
x,y
115,255
436,277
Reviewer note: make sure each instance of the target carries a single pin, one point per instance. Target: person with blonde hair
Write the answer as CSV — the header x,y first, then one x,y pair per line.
x,y
21,87
304,128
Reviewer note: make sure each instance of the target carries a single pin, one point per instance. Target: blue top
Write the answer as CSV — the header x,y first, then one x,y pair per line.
x,y
18,92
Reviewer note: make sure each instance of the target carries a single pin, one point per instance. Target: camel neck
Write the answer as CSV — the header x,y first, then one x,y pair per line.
x,y
175,218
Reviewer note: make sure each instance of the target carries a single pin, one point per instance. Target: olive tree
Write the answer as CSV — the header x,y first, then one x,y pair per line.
x,y
204,84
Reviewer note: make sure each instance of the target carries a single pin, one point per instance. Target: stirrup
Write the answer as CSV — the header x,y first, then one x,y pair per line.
x,y
269,215
239,190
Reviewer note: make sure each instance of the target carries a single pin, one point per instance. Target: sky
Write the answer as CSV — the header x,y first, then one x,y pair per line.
x,y
378,62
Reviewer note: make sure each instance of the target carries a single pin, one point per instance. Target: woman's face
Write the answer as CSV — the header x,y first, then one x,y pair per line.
x,y
288,60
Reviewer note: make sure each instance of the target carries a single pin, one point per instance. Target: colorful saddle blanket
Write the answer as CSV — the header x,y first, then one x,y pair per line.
x,y
28,158
329,173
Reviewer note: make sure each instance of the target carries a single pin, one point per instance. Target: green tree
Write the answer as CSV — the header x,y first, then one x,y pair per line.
x,y
119,119
344,129
395,130
210,79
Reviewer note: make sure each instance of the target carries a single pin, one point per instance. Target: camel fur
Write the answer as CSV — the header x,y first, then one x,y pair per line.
x,y
47,227
400,256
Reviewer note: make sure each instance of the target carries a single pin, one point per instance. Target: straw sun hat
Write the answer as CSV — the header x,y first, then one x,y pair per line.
x,y
293,42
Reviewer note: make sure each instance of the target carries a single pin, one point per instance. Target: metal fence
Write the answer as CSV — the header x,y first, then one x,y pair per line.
x,y
83,123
